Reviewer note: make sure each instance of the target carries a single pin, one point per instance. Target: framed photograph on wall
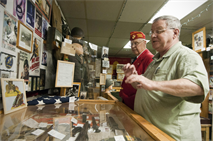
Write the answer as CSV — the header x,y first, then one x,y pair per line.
x,y
119,68
75,90
110,69
199,39
13,94
24,38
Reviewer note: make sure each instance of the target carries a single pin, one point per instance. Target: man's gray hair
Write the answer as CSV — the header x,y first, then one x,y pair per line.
x,y
171,22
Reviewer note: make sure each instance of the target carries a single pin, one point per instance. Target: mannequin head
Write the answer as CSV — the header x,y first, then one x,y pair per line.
x,y
108,85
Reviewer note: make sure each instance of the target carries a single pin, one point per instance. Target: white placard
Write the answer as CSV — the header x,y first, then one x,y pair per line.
x,y
119,138
72,99
211,57
31,123
43,125
68,41
74,120
71,106
38,132
56,134
79,125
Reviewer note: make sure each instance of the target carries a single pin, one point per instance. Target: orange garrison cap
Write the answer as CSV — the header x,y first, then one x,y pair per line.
x,y
136,35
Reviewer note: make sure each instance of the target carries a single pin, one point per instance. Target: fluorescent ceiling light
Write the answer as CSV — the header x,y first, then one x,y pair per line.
x,y
178,8
128,45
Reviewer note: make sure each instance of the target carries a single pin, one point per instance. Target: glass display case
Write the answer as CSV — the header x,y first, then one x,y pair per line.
x,y
93,120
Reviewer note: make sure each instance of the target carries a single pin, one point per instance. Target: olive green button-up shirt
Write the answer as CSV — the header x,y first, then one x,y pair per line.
x,y
179,117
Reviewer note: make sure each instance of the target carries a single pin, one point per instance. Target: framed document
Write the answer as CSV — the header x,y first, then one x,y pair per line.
x,y
13,94
120,76
24,38
102,79
119,68
199,39
64,74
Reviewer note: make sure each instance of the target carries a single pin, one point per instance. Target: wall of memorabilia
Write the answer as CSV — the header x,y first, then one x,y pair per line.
x,y
23,50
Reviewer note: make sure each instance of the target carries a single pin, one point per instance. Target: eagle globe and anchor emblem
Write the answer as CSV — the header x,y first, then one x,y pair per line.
x,y
9,62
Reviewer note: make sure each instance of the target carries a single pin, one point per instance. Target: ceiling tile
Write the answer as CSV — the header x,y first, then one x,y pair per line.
x,y
81,23
123,29
72,8
140,11
100,41
107,10
118,43
100,28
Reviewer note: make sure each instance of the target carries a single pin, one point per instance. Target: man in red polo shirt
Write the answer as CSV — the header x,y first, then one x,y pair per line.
x,y
141,62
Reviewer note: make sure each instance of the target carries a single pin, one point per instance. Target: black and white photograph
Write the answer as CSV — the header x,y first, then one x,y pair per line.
x,y
38,23
105,51
30,20
105,64
25,37
75,90
10,27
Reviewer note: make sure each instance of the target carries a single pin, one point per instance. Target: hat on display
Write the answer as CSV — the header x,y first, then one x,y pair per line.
x,y
137,35
109,82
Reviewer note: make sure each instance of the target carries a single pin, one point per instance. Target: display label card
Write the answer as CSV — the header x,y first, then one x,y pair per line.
x,y
74,120
31,123
79,125
68,49
56,134
72,99
43,125
38,132
119,138
68,41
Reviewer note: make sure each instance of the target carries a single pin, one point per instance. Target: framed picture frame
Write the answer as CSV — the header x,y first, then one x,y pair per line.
x,y
120,76
13,94
110,69
102,79
119,68
75,90
24,38
199,39
64,78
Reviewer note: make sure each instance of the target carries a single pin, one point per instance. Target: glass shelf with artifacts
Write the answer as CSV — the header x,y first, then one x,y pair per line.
x,y
92,120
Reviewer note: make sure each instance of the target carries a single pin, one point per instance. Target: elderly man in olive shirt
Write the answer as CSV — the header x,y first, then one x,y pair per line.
x,y
175,83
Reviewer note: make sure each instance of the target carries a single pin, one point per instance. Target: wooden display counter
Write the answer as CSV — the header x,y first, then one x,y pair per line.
x,y
99,119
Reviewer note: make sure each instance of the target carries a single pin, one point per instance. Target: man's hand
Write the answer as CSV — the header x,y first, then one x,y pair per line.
x,y
129,70
139,81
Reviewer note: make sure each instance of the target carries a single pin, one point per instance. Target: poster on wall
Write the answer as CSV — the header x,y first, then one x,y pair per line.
x,y
30,14
44,55
8,62
44,28
38,23
13,99
24,61
34,58
19,9
9,32
44,7
3,3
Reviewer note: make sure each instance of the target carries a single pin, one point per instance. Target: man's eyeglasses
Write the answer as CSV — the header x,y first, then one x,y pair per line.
x,y
158,31
135,44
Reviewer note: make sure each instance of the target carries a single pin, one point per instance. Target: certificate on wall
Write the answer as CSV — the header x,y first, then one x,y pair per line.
x,y
64,74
